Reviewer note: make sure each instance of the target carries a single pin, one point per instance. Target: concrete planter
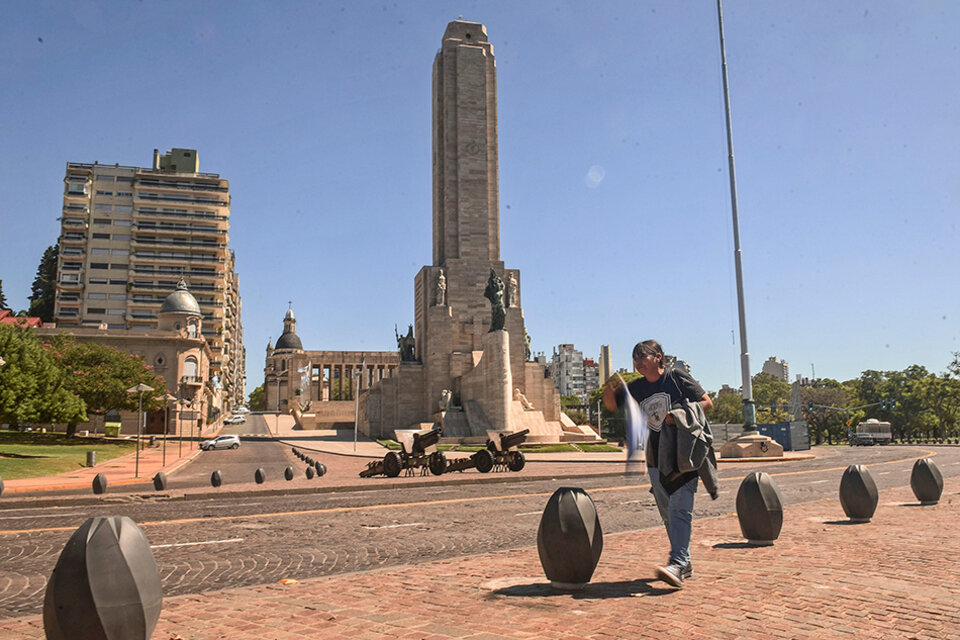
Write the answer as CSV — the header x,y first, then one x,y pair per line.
x,y
105,584
926,481
858,493
759,509
570,538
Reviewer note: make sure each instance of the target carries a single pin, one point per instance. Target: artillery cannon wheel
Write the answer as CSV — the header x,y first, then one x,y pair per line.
x,y
515,461
392,465
437,463
483,460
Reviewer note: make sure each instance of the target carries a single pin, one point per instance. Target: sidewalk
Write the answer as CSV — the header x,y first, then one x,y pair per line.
x,y
119,471
895,577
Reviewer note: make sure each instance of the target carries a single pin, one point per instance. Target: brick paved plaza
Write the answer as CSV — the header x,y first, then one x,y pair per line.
x,y
895,577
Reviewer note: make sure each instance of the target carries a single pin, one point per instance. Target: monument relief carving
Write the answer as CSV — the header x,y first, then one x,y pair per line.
x,y
441,289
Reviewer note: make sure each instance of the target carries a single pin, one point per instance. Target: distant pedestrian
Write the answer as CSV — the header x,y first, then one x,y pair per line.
x,y
657,392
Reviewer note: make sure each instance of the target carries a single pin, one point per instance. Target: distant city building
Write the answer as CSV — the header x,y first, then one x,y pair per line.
x,y
727,390
129,233
567,369
7,317
606,366
672,362
591,376
778,368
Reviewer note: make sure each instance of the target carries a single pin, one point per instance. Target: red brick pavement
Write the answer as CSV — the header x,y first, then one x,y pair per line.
x,y
895,577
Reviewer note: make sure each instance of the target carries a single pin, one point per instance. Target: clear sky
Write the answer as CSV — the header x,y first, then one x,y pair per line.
x,y
614,193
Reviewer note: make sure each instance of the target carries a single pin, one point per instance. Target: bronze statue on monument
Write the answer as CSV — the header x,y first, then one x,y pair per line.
x,y
406,345
494,294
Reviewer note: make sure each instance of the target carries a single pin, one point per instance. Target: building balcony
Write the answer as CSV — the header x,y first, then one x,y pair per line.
x,y
76,239
173,242
177,257
180,230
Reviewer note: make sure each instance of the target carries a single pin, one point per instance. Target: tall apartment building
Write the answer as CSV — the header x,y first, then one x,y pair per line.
x,y
567,368
778,368
606,366
591,375
128,234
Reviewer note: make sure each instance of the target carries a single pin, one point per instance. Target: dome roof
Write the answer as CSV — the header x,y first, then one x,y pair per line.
x,y
289,340
180,301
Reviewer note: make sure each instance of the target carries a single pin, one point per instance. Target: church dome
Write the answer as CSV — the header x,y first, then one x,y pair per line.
x,y
289,341
180,301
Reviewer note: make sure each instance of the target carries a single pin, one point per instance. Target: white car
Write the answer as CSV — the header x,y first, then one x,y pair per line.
x,y
221,442
235,420
242,410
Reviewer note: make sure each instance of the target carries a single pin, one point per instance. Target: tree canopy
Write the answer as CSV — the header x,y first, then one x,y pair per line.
x,y
33,384
258,400
44,287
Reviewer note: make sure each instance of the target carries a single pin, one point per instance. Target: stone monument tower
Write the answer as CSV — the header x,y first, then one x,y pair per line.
x,y
465,376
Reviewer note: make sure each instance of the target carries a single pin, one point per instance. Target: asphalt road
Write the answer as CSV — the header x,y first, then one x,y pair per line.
x,y
236,540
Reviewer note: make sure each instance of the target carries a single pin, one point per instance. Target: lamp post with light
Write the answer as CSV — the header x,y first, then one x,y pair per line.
x,y
139,389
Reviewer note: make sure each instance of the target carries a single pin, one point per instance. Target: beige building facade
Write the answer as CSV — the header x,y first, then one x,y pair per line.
x,y
129,233
178,353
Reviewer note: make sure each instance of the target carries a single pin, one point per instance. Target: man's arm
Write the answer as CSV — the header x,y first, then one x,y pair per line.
x,y
706,402
610,392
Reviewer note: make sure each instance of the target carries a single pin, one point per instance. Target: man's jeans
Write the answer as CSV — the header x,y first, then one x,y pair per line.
x,y
676,511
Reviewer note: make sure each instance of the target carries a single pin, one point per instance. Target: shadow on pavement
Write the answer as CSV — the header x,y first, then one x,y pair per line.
x,y
592,591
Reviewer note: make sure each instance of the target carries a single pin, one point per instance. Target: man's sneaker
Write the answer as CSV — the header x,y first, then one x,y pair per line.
x,y
672,574
687,571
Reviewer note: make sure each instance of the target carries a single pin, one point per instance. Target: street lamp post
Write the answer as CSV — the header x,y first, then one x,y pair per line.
x,y
166,424
140,388
356,407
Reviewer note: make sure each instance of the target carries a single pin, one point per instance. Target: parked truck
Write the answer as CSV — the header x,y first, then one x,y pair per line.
x,y
871,432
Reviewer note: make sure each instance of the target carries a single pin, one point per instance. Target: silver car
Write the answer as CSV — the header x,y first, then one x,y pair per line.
x,y
221,442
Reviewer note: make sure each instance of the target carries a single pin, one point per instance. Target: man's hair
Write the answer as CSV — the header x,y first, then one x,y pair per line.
x,y
647,348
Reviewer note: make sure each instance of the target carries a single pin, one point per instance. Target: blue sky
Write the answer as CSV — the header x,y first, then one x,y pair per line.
x,y
614,190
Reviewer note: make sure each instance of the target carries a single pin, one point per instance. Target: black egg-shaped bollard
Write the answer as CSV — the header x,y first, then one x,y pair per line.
x,y
309,461
160,481
858,493
759,509
926,481
216,479
99,483
259,475
105,584
569,538
296,452
321,469
288,473
309,473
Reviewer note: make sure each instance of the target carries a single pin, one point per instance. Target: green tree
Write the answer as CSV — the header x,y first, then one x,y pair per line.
x,y
940,395
100,376
3,298
826,423
727,407
33,386
769,390
258,399
45,285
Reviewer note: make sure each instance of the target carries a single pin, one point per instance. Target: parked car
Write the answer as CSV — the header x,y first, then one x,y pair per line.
x,y
235,420
240,410
221,442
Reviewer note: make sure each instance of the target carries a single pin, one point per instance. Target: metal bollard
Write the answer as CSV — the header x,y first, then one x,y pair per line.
x,y
569,539
91,458
99,483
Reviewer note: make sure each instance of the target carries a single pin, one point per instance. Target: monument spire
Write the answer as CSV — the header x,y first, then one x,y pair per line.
x,y
466,216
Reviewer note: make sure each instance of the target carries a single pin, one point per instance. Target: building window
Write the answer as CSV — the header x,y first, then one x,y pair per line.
x,y
120,252
121,282
190,368
122,237
122,223
97,296
104,207
126,208
70,277
95,311
124,194
115,312
104,193
101,236
104,178
97,281
100,252
99,265
101,221
192,329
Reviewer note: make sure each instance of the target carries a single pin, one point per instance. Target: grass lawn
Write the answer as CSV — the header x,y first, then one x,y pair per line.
x,y
599,448
548,448
28,455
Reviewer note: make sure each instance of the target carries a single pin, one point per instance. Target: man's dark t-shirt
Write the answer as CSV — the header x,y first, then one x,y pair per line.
x,y
655,400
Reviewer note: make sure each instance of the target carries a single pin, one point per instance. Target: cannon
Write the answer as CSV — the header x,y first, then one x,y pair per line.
x,y
500,454
418,449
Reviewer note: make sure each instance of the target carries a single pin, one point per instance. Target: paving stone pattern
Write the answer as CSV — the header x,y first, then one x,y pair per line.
x,y
895,577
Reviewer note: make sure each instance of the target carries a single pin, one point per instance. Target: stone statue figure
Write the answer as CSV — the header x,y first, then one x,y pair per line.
x,y
446,398
406,345
441,289
494,293
514,290
526,346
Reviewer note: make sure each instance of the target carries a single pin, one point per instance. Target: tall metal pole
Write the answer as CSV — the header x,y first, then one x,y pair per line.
x,y
136,468
166,427
749,410
356,407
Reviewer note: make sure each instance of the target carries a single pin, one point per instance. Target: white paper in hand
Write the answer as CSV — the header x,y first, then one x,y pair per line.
x,y
636,428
